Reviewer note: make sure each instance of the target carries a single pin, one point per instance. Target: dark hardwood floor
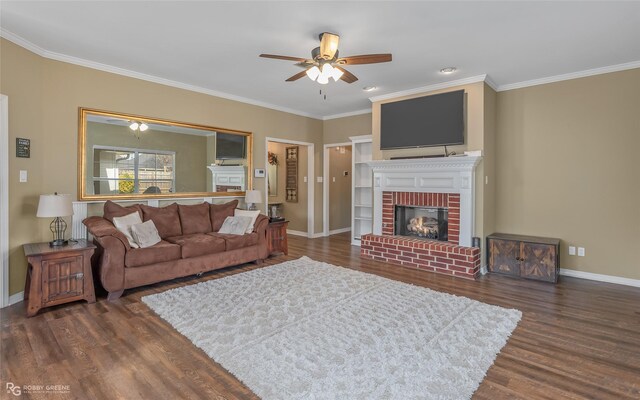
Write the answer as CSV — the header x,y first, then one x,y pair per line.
x,y
576,339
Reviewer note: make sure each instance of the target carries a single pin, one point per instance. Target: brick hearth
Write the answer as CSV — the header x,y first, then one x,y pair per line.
x,y
429,255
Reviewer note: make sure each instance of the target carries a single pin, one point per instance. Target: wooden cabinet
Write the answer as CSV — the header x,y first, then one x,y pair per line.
x,y
277,237
58,275
522,256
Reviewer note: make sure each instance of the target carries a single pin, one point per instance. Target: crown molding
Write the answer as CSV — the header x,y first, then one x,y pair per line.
x,y
347,114
490,83
569,76
10,36
430,88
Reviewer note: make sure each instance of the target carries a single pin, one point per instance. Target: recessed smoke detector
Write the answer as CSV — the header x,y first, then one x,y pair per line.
x,y
448,70
369,88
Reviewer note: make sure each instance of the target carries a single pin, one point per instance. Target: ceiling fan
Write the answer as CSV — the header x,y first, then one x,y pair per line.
x,y
325,62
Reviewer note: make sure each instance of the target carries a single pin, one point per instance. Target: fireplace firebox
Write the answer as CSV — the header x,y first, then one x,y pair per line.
x,y
422,222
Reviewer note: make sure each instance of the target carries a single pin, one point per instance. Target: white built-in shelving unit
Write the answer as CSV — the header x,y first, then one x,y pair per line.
x,y
361,190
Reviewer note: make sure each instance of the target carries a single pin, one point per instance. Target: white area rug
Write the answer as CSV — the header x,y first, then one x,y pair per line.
x,y
309,330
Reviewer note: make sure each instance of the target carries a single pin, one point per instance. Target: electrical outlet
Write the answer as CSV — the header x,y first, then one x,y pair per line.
x,y
23,175
572,250
580,251
304,179
334,178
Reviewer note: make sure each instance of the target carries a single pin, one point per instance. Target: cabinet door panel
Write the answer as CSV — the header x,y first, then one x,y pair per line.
x,y
504,254
62,278
539,262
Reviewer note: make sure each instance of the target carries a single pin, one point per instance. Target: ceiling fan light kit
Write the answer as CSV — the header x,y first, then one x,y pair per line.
x,y
325,62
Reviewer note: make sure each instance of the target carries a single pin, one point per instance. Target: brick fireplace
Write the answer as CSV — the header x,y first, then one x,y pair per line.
x,y
440,183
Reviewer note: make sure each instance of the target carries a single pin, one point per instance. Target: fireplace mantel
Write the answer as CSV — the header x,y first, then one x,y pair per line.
x,y
428,175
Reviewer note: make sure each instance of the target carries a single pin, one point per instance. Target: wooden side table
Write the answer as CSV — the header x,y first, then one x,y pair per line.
x,y
277,237
58,275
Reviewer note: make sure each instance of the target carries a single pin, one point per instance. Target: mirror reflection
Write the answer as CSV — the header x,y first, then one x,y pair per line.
x,y
128,156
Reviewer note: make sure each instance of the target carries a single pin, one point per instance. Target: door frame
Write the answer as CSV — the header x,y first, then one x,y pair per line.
x,y
325,185
4,200
310,180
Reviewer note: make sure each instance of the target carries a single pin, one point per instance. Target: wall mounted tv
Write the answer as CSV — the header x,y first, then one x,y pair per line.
x,y
436,120
230,146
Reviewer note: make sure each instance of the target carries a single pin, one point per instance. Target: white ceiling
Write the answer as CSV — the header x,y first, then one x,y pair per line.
x,y
214,46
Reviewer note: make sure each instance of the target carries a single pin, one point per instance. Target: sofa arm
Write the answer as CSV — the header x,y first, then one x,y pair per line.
x,y
260,228
110,266
101,227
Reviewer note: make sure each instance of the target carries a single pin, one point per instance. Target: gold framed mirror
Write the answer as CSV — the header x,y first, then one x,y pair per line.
x,y
125,156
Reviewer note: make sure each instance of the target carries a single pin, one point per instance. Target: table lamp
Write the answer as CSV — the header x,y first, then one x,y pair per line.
x,y
251,198
56,206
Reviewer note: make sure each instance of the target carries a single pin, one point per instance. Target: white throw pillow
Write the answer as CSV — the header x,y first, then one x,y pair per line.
x,y
145,234
123,224
247,213
235,225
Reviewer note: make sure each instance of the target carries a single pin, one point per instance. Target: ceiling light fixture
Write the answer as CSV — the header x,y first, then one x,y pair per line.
x,y
448,70
369,88
138,127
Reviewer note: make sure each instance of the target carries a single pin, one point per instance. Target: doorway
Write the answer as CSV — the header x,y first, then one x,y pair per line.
x,y
337,162
289,183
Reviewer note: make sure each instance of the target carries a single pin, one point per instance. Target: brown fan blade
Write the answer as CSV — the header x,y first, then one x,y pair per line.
x,y
346,75
287,58
365,59
305,64
297,76
328,45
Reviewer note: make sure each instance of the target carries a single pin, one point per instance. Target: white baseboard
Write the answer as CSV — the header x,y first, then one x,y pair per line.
x,y
297,233
600,277
16,298
317,235
341,230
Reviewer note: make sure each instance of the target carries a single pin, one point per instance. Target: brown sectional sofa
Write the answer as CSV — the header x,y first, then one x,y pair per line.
x,y
190,244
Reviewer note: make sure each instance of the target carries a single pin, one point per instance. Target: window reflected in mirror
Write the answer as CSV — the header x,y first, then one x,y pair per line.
x,y
125,156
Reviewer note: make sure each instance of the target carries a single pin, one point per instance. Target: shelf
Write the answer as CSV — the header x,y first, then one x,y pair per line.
x,y
362,188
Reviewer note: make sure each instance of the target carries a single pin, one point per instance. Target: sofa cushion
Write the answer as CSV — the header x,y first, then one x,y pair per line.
x,y
219,212
198,244
163,251
112,210
195,218
233,242
166,219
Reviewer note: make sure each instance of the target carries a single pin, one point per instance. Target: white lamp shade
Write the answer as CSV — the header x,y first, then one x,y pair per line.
x,y
253,197
313,73
54,205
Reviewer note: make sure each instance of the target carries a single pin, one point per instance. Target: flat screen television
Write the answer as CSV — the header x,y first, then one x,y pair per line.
x,y
230,146
436,120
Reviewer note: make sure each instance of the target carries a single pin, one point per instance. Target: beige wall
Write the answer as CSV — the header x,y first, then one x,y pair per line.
x,y
338,130
567,168
339,188
44,96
